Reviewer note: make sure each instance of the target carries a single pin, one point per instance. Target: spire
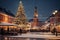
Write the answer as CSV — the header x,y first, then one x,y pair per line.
x,y
35,12
35,7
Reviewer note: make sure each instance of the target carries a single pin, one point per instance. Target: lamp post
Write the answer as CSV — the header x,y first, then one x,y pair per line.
x,y
55,12
55,17
55,31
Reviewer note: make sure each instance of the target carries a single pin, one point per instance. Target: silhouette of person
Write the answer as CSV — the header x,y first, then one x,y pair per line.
x,y
55,31
20,31
2,31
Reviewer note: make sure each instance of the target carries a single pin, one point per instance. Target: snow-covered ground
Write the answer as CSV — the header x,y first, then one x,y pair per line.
x,y
46,35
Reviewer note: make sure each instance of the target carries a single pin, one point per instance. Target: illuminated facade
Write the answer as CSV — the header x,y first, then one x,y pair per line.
x,y
35,22
55,18
55,21
5,17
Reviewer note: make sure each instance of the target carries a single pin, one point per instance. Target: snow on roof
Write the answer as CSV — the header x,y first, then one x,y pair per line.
x,y
6,24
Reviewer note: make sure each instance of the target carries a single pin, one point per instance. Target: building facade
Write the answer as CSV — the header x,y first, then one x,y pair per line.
x,y
35,22
55,21
5,17
55,18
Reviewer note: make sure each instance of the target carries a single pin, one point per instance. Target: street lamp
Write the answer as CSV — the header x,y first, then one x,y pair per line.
x,y
54,16
55,12
55,21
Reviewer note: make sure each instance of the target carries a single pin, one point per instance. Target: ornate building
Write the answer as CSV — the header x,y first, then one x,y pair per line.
x,y
35,22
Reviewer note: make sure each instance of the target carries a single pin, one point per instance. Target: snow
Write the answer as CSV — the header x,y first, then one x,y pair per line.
x,y
46,36
6,24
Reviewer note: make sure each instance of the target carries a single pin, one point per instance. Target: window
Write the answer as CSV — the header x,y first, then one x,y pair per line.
x,y
1,17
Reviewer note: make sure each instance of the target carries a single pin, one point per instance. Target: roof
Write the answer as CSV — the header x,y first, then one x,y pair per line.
x,y
6,24
8,12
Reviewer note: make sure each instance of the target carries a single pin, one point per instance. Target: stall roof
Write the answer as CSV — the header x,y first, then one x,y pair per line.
x,y
7,24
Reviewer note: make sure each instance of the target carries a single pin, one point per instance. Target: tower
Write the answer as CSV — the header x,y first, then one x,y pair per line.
x,y
20,18
35,19
35,13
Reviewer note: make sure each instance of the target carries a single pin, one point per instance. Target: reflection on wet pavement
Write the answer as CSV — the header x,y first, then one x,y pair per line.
x,y
19,38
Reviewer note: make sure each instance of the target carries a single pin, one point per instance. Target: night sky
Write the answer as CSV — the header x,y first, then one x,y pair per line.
x,y
45,7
